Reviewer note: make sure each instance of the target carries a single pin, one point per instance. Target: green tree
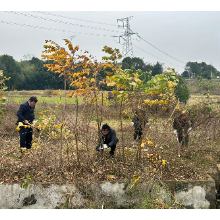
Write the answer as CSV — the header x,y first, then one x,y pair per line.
x,y
34,76
200,69
149,67
182,91
138,63
3,100
11,69
157,69
206,74
193,68
185,74
126,63
135,62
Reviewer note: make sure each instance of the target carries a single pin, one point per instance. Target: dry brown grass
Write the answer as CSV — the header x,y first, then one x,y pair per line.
x,y
56,160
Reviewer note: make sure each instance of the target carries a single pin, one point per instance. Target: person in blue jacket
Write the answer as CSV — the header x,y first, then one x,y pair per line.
x,y
25,115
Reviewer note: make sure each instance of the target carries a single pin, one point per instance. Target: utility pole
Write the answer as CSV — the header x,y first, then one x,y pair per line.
x,y
211,69
127,50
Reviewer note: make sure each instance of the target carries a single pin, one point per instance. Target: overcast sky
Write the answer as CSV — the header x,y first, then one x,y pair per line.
x,y
168,33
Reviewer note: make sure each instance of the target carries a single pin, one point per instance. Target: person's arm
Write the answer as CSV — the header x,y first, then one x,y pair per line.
x,y
175,124
114,139
175,127
99,137
190,125
20,113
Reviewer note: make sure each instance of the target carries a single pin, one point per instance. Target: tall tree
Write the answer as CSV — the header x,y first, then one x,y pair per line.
x,y
200,69
11,69
185,74
194,69
126,63
157,69
135,62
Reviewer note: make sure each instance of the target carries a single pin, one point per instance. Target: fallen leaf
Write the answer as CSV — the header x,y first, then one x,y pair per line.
x,y
100,172
111,176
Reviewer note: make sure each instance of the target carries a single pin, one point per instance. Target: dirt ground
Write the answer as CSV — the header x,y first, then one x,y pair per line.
x,y
59,161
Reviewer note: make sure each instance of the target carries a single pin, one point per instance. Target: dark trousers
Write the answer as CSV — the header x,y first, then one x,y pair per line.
x,y
183,137
137,133
112,149
25,137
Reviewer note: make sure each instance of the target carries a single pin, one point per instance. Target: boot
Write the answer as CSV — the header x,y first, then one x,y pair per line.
x,y
112,155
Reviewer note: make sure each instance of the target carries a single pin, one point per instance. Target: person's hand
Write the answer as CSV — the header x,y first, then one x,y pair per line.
x,y
105,146
26,122
175,132
189,130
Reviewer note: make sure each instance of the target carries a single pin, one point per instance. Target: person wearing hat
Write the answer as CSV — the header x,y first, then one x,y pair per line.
x,y
25,116
182,125
108,139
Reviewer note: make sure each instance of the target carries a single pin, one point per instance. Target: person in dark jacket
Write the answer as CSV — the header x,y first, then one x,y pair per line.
x,y
182,125
139,121
25,115
108,139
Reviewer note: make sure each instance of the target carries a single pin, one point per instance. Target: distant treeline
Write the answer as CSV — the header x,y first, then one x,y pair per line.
x,y
28,74
194,69
32,75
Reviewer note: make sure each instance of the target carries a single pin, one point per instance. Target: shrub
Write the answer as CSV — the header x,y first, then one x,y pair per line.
x,y
182,91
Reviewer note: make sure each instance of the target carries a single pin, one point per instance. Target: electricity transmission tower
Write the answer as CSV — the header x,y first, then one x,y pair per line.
x,y
127,49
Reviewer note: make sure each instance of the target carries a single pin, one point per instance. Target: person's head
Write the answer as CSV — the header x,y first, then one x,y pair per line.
x,y
32,101
105,129
184,116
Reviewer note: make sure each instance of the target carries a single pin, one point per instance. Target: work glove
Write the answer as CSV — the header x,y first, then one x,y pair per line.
x,y
175,132
189,130
105,146
34,121
132,123
102,147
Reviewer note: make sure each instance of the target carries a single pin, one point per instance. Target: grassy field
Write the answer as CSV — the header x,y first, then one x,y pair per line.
x,y
63,155
44,97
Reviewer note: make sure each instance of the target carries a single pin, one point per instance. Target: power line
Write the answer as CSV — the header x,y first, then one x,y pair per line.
x,y
46,13
68,23
103,15
160,50
144,24
150,43
52,29
127,45
157,57
156,47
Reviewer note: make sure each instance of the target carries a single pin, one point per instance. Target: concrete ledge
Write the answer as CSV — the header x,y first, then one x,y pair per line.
x,y
191,194
12,196
194,194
